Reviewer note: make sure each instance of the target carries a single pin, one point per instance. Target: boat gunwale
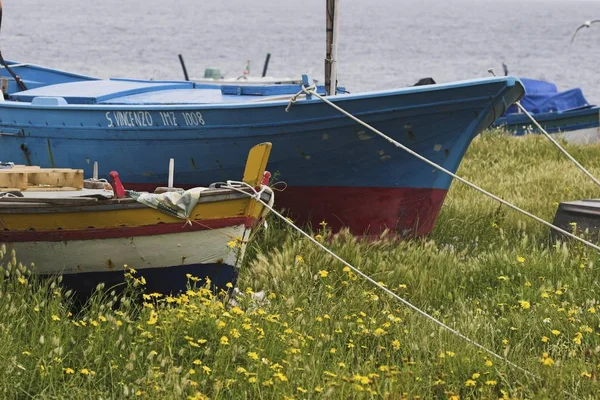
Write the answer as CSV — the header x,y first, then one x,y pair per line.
x,y
206,197
509,81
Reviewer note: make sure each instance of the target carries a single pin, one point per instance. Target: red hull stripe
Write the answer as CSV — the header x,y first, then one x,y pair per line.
x,y
122,232
370,210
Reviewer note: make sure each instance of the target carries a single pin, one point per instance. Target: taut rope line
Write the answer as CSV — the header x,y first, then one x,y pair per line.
x,y
235,186
551,139
444,170
562,149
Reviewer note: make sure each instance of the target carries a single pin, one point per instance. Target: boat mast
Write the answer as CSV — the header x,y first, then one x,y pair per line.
x,y
331,16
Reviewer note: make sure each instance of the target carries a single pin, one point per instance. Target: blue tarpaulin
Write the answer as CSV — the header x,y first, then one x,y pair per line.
x,y
543,97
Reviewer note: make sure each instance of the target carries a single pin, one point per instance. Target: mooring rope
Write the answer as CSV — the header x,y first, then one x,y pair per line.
x,y
308,90
234,185
551,139
562,149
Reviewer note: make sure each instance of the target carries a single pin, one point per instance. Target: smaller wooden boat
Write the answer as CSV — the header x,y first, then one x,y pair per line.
x,y
579,216
89,235
567,114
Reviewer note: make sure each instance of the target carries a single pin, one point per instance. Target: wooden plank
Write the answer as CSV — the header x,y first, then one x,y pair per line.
x,y
56,177
63,201
256,163
26,177
49,189
10,179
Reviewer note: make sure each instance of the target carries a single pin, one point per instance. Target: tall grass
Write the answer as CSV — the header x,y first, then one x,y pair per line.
x,y
321,332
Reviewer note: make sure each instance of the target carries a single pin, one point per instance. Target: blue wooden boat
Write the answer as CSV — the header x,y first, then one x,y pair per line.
x,y
34,76
566,113
335,170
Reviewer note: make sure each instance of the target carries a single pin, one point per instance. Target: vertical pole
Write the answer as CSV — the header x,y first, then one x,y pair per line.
x,y
95,172
331,31
266,65
171,172
185,73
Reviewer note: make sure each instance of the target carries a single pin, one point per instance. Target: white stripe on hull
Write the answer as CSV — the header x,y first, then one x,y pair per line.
x,y
140,252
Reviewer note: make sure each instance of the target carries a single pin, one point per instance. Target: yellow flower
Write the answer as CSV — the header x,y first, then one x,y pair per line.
x,y
524,304
22,280
318,389
586,374
379,332
332,350
470,382
253,355
301,389
280,376
491,382
192,371
396,345
545,339
488,363
547,361
252,379
476,375
196,362
206,370
299,259
153,318
69,370
555,332
521,259
84,371
26,353
55,318
323,273
224,340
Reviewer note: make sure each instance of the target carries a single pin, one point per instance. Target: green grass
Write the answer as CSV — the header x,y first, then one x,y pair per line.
x,y
321,332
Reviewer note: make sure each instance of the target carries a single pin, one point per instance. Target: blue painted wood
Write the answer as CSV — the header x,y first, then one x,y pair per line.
x,y
313,144
552,122
36,76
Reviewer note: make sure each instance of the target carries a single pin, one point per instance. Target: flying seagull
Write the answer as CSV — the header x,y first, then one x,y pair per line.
x,y
586,24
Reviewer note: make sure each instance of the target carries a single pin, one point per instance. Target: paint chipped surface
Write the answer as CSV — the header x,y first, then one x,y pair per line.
x,y
383,156
362,135
437,147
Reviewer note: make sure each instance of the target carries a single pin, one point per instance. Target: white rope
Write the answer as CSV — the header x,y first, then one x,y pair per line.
x,y
562,149
235,185
551,139
306,90
453,175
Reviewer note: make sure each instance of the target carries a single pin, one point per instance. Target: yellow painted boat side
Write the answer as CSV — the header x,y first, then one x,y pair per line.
x,y
132,217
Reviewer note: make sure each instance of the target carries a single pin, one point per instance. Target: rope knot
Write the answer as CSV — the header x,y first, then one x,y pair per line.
x,y
307,90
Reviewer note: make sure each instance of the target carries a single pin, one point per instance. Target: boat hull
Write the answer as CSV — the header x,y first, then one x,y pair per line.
x,y
96,242
163,260
319,153
577,126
